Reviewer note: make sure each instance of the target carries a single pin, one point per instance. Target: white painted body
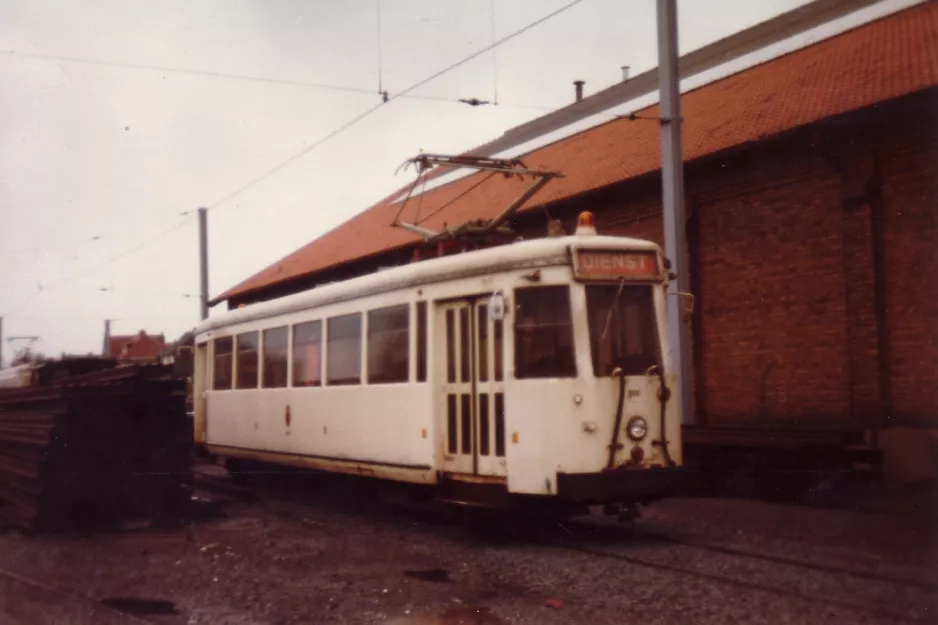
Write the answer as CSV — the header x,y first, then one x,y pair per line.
x,y
398,431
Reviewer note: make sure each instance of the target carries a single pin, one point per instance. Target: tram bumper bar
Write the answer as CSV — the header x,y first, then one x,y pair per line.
x,y
626,485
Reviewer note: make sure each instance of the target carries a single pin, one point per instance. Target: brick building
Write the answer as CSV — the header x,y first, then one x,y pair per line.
x,y
140,347
812,191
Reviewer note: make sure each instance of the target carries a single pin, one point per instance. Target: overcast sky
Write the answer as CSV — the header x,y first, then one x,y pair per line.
x,y
98,159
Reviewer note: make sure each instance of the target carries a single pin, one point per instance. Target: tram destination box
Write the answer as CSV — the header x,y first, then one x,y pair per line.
x,y
594,264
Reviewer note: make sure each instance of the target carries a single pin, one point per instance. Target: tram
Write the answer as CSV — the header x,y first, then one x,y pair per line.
x,y
536,369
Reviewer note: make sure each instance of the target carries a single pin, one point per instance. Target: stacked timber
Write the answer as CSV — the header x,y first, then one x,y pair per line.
x,y
95,448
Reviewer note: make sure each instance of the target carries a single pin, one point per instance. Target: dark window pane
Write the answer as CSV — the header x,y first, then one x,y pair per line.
x,y
464,353
484,424
623,332
389,345
499,424
246,362
344,351
498,340
466,417
451,423
483,318
276,350
307,354
450,346
221,369
421,341
544,333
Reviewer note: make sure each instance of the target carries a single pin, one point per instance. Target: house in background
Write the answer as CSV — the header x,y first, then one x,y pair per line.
x,y
140,347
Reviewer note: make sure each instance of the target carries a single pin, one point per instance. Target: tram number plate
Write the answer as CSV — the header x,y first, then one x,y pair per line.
x,y
605,265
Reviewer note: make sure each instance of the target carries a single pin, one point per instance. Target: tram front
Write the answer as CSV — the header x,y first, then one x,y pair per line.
x,y
607,407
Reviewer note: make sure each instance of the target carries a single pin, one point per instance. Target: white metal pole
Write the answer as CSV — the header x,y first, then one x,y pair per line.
x,y
203,263
672,180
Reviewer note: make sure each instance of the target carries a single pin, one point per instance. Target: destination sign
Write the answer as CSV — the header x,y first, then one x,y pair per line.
x,y
614,265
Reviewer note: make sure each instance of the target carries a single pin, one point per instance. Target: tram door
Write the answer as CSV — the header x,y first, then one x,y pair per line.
x,y
472,407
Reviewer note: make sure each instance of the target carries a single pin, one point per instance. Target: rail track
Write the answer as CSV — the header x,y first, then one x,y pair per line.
x,y
616,542
855,606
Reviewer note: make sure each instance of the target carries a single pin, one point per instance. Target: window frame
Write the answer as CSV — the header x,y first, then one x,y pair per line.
x,y
648,291
231,359
357,381
257,360
370,335
517,328
321,343
421,345
263,357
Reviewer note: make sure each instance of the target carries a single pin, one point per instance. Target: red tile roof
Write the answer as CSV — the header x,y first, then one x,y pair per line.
x,y
891,57
138,347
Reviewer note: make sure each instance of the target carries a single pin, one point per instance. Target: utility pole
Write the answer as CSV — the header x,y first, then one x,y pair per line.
x,y
107,338
203,263
672,181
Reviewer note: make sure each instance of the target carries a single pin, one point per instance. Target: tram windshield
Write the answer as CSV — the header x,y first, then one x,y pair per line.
x,y
544,333
622,328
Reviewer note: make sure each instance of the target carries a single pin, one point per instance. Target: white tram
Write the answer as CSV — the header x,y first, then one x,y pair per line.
x,y
538,368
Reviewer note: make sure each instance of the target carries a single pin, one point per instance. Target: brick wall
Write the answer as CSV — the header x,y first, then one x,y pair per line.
x,y
909,169
815,270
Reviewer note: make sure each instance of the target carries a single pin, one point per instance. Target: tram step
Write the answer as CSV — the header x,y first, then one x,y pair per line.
x,y
478,494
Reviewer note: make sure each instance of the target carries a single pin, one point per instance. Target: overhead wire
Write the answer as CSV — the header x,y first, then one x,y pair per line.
x,y
392,97
289,160
298,155
192,72
235,76
378,37
494,55
89,270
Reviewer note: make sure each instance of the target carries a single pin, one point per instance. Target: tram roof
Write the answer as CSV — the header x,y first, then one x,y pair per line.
x,y
878,61
536,252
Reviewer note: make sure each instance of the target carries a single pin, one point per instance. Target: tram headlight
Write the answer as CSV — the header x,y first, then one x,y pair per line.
x,y
636,428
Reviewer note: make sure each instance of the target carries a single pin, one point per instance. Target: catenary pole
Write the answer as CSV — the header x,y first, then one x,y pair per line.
x,y
672,180
106,348
203,263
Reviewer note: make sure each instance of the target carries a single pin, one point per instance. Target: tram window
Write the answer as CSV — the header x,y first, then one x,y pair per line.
x,y
307,354
276,345
246,363
344,350
421,341
221,374
544,333
389,345
623,332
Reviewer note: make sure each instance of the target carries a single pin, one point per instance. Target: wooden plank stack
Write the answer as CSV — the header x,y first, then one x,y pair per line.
x,y
95,449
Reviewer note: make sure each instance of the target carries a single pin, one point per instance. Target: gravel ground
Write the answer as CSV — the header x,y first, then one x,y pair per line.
x,y
325,557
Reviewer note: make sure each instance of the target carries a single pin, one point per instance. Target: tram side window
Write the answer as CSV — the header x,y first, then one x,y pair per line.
x,y
421,341
544,333
276,342
246,363
307,354
389,345
623,332
344,350
221,367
